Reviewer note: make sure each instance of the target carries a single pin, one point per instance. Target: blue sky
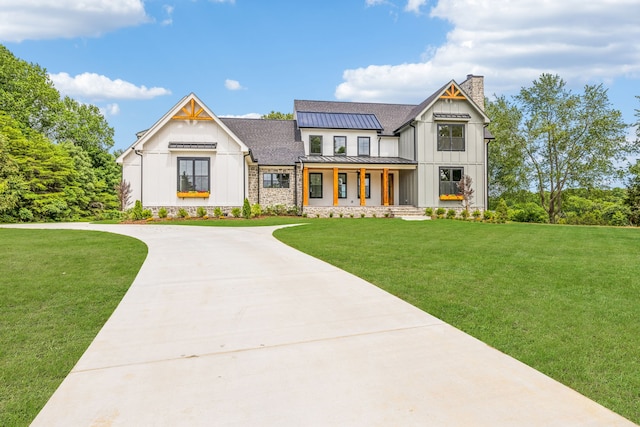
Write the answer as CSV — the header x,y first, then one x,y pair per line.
x,y
135,59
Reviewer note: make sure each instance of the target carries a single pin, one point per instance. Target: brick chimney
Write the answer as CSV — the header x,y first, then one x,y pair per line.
x,y
474,87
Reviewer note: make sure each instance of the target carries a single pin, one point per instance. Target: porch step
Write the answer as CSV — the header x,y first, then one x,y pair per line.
x,y
408,212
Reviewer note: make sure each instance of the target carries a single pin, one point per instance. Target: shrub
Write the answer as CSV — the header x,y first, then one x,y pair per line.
x,y
217,212
529,212
201,212
162,213
277,210
619,219
351,215
135,213
293,210
25,215
256,210
182,213
451,214
476,214
236,212
502,211
362,215
440,212
246,209
465,214
330,214
110,214
488,215
428,212
146,214
341,214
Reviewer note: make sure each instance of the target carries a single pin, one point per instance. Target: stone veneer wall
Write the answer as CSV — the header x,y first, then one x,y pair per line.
x,y
254,181
347,211
274,196
474,86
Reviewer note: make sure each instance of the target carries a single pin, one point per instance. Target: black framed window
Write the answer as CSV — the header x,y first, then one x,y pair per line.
x,y
367,187
315,185
449,178
315,145
275,180
364,146
339,145
342,186
451,137
193,174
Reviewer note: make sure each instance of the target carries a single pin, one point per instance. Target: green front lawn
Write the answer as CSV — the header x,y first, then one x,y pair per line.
x,y
57,289
564,300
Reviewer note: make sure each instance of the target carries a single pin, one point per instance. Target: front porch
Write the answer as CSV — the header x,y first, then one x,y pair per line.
x,y
353,186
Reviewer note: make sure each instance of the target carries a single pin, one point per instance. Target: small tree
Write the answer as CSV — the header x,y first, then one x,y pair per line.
x,y
464,188
246,209
502,211
123,191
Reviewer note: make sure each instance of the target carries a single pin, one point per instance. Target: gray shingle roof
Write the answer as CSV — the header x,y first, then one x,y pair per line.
x,y
390,116
272,142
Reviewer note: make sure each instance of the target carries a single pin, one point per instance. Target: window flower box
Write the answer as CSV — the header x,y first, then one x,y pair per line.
x,y
451,197
193,194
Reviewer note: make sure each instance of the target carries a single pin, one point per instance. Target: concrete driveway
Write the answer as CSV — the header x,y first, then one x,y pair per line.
x,y
229,327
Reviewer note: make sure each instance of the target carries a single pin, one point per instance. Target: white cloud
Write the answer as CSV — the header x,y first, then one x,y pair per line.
x,y
169,11
511,44
414,5
233,85
47,19
111,110
97,87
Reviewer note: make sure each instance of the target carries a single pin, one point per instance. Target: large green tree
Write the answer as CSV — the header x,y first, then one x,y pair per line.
x,y
506,167
277,115
27,94
79,132
565,139
633,182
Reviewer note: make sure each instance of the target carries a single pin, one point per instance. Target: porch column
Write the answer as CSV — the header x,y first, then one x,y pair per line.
x,y
305,187
335,186
385,187
363,192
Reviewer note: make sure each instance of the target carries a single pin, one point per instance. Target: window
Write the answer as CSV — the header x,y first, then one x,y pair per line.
x,y
367,187
363,145
193,174
450,137
342,186
275,180
339,145
449,178
315,145
315,185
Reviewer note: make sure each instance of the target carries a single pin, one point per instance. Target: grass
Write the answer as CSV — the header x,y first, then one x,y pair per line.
x,y
562,299
236,222
57,288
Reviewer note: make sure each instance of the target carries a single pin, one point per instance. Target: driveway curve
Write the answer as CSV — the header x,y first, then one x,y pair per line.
x,y
229,327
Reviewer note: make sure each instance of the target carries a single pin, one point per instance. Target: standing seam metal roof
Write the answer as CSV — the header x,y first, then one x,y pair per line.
x,y
308,119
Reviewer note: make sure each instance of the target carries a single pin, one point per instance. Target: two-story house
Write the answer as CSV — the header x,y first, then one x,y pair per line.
x,y
334,157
